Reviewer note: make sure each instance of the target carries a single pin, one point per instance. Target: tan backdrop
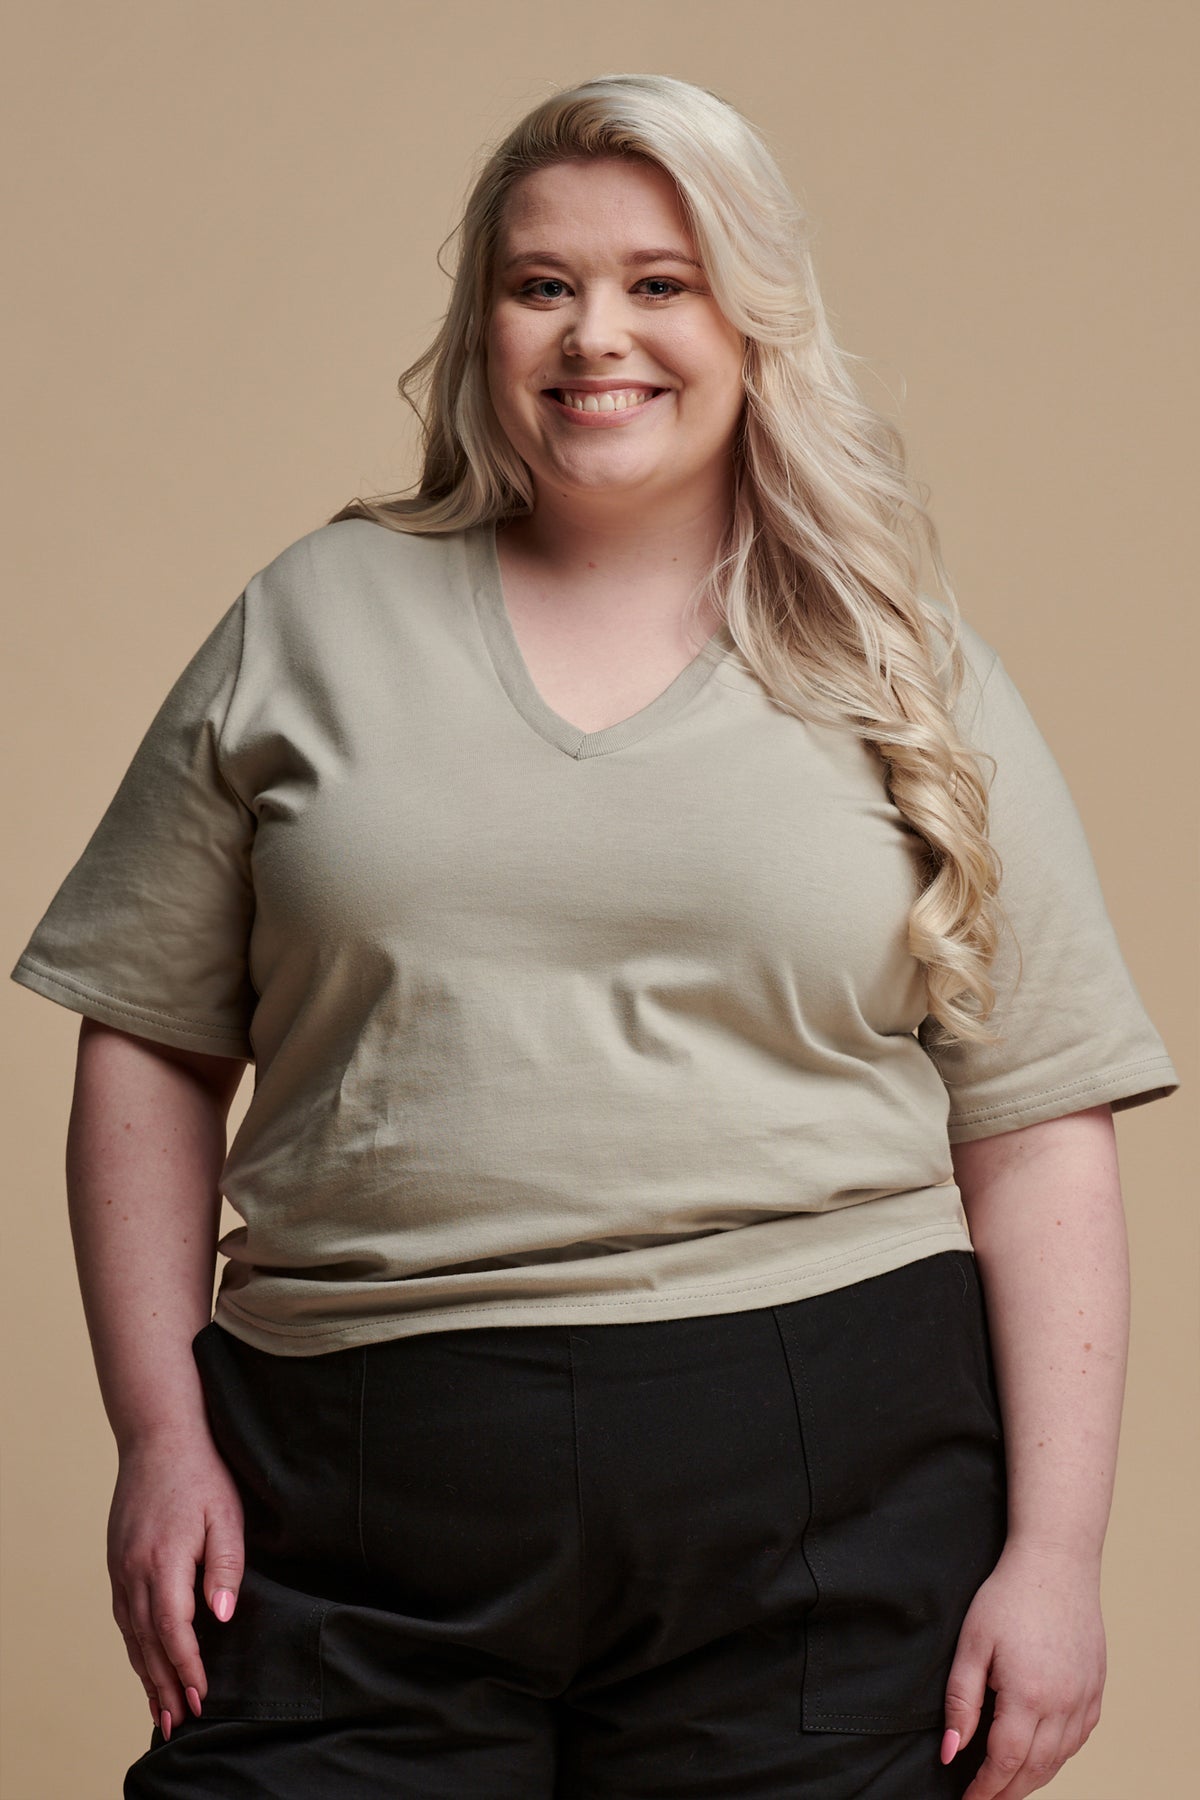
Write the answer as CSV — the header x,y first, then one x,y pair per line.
x,y
227,216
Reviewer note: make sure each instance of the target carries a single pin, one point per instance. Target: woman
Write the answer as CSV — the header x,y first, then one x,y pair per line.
x,y
676,979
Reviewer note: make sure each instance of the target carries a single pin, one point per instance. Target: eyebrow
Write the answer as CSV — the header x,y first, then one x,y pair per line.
x,y
635,259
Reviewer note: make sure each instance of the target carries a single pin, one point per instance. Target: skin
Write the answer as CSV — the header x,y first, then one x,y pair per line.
x,y
625,520
1047,1221
145,1144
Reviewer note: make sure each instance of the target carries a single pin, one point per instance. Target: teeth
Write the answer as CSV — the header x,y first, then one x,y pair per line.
x,y
614,400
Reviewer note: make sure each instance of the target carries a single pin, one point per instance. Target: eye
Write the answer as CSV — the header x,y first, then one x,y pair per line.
x,y
662,281
542,281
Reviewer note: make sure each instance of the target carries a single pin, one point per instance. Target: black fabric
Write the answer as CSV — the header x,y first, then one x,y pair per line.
x,y
723,1557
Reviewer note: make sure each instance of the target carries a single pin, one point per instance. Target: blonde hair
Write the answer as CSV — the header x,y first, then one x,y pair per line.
x,y
819,574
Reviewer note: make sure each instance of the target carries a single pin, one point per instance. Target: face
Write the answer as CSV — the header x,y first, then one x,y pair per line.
x,y
597,290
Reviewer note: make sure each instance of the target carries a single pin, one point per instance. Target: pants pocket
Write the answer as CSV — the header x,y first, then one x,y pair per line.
x,y
287,1430
265,1662
905,1458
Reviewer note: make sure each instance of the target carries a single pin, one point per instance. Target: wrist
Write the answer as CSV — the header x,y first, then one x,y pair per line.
x,y
1082,1557
175,1420
163,1437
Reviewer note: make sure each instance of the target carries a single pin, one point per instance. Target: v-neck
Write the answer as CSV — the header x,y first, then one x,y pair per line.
x,y
487,592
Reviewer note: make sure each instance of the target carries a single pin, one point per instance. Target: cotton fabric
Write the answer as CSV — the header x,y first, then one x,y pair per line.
x,y
552,1026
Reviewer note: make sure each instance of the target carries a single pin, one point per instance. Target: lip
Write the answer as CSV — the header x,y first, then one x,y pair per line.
x,y
604,421
597,384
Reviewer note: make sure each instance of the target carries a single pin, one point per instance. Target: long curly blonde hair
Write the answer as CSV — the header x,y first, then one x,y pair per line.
x,y
819,575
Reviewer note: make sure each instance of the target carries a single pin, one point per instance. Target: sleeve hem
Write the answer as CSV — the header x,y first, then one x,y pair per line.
x,y
179,1034
1129,1084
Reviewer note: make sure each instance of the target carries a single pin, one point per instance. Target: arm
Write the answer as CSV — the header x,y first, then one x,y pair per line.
x,y
145,1144
1045,1213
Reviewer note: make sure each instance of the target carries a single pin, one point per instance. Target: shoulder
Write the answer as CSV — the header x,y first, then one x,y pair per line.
x,y
350,551
980,658
319,595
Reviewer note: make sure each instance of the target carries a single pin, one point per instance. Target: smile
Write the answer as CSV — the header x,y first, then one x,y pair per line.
x,y
615,406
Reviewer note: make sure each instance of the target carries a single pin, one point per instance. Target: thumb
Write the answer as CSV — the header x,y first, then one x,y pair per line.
x,y
966,1686
224,1565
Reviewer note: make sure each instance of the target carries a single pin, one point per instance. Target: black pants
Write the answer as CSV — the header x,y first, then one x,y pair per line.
x,y
725,1556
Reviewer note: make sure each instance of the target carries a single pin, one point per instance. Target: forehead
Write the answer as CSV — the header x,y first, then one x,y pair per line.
x,y
599,205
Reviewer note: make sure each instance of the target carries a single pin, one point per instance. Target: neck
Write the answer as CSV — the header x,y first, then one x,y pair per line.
x,y
674,540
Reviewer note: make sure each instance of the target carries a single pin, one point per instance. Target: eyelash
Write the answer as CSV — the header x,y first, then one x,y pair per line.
x,y
663,280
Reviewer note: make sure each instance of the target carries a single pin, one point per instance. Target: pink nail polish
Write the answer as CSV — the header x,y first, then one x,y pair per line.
x,y
193,1700
222,1604
950,1743
164,1724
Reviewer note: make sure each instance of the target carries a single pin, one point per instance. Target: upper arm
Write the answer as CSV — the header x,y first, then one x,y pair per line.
x,y
221,1075
1071,1031
1009,1159
149,931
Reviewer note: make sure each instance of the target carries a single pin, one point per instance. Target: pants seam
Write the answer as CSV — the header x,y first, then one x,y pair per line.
x,y
798,1381
579,1600
359,1477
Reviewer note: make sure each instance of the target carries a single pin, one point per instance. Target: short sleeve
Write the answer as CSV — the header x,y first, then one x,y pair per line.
x,y
149,931
1074,1030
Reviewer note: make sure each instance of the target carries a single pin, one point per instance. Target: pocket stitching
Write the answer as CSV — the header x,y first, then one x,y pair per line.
x,y
908,1718
815,1714
287,1709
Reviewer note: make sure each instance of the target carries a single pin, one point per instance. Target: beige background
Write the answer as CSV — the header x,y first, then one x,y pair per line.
x,y
227,217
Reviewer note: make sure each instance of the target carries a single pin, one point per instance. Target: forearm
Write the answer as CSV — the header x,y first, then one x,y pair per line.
x,y
1045,1213
145,1145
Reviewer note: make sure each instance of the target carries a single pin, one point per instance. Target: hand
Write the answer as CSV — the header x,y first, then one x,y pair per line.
x,y
174,1507
1033,1634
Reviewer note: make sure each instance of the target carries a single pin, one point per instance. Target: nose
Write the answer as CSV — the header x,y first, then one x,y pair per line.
x,y
597,326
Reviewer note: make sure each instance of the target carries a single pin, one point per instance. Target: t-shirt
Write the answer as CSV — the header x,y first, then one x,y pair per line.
x,y
549,1025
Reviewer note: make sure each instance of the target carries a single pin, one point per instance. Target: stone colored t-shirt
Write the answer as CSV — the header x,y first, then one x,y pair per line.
x,y
554,1026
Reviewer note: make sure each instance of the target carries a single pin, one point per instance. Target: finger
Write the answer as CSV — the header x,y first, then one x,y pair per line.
x,y
1042,1761
173,1608
1008,1744
224,1564
142,1609
1072,1737
1091,1718
966,1686
133,1650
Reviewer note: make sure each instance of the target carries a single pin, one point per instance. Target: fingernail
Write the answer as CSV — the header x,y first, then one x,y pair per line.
x,y
950,1744
222,1604
164,1725
193,1700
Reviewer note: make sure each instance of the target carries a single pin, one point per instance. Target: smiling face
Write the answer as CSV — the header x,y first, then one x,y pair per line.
x,y
611,368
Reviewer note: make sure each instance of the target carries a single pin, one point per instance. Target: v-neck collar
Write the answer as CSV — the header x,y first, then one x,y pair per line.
x,y
487,592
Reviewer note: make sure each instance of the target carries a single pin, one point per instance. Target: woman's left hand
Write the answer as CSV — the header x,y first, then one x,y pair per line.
x,y
1034,1635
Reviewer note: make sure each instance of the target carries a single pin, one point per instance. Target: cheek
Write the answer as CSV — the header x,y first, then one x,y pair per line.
x,y
514,359
705,359
516,340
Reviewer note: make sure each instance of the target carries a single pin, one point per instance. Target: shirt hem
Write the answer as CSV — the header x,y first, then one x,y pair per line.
x,y
1125,1085
824,1275
77,996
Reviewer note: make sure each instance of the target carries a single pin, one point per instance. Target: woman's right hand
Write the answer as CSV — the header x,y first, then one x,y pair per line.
x,y
175,1507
